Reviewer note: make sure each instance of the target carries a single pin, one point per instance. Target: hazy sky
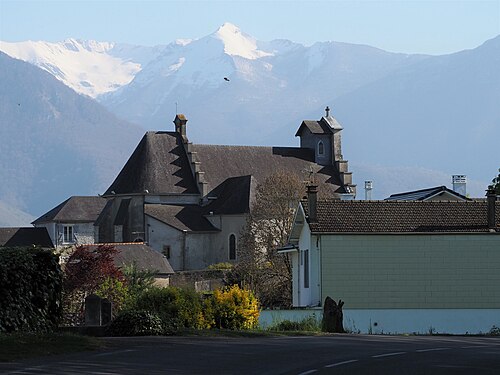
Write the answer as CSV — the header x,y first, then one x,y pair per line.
x,y
434,27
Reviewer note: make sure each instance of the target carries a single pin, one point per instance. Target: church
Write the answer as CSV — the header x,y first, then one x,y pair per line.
x,y
190,201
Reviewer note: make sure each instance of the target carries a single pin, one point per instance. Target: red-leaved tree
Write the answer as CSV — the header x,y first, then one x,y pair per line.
x,y
86,270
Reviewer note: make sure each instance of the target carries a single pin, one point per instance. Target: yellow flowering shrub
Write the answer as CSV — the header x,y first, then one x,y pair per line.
x,y
234,308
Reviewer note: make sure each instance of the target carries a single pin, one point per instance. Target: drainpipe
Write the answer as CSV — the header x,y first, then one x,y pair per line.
x,y
183,248
491,198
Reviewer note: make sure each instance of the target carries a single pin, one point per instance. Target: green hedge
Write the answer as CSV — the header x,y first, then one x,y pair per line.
x,y
30,290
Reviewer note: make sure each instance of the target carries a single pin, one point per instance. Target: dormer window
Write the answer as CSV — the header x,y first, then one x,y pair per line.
x,y
321,148
68,235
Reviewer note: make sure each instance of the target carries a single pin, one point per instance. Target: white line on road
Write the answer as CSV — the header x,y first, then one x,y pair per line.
x,y
387,354
342,363
308,372
475,346
431,350
115,352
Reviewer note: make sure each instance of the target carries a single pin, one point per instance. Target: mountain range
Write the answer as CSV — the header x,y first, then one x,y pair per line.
x,y
410,121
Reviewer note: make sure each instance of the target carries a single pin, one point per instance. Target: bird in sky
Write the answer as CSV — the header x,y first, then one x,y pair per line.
x,y
226,79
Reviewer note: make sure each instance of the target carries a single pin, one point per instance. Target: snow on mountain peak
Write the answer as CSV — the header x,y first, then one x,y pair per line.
x,y
237,43
89,67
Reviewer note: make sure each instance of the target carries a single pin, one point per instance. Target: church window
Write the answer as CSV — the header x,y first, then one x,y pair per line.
x,y
166,251
232,247
321,148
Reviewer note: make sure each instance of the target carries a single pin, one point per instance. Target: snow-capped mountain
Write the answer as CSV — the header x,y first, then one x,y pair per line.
x,y
89,67
279,78
410,120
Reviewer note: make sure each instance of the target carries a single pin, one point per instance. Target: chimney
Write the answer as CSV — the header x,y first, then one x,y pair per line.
x,y
180,126
491,198
368,190
459,184
312,202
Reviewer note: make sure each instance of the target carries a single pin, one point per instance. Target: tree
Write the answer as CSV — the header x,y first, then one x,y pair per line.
x,y
87,269
495,184
261,268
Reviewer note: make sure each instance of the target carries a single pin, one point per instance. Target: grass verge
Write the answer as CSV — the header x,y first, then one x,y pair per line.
x,y
23,345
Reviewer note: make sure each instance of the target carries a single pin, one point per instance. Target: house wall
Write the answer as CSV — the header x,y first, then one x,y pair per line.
x,y
188,250
412,271
83,233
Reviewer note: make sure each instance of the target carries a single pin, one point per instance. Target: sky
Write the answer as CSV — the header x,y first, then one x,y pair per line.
x,y
430,27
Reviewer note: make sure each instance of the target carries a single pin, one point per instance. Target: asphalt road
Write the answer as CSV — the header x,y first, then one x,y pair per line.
x,y
340,354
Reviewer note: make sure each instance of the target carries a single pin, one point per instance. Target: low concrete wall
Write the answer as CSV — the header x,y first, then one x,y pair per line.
x,y
397,321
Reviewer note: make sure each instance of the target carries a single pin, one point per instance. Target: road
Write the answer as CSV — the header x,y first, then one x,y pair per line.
x,y
339,354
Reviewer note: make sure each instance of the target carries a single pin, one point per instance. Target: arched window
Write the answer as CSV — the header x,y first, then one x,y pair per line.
x,y
232,247
321,148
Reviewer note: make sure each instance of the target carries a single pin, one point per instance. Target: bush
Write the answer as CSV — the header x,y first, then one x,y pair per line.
x,y
221,266
136,323
177,308
117,292
30,290
309,324
234,308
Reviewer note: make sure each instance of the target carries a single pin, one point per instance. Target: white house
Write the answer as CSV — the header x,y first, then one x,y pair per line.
x,y
72,222
409,266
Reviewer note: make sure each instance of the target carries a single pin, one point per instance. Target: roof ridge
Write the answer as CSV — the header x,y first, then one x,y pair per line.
x,y
258,146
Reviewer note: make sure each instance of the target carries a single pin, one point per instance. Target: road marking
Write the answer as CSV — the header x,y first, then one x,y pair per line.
x,y
475,346
431,350
342,363
308,372
115,352
387,354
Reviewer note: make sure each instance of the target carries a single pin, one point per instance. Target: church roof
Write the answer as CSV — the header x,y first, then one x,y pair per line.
x,y
182,217
158,165
222,162
74,210
233,196
326,125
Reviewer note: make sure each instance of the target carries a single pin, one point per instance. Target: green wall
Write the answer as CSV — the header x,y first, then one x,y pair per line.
x,y
412,271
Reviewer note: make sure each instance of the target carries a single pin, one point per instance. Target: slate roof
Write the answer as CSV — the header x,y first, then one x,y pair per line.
x,y
419,195
159,164
326,125
13,237
234,196
145,258
335,216
74,210
222,162
181,217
